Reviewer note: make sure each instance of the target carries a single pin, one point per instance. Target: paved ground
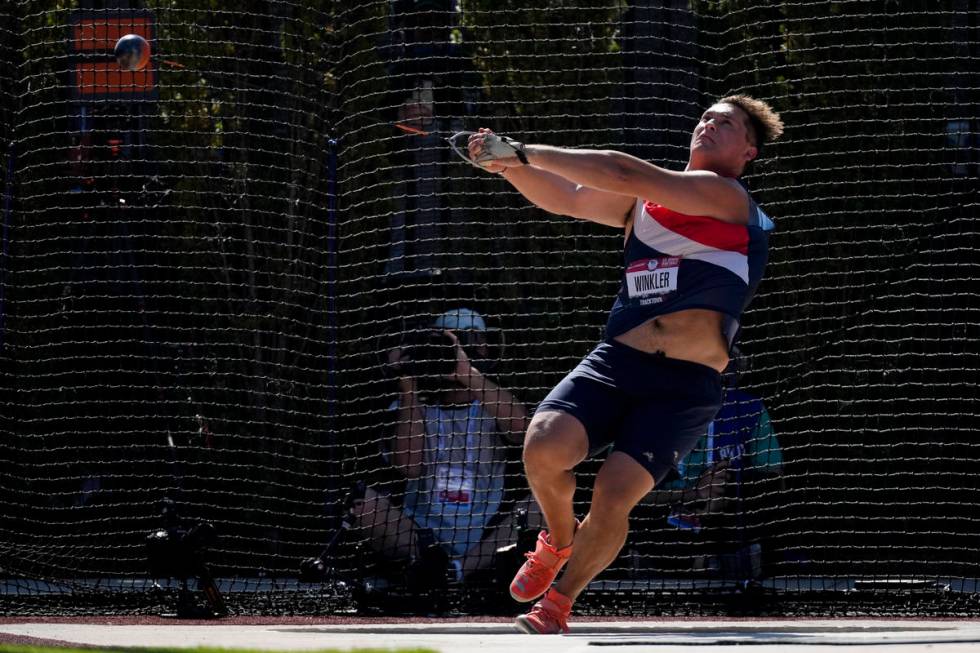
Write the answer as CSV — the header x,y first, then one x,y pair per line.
x,y
667,636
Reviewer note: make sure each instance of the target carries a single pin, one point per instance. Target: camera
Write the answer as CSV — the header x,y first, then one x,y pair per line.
x,y
177,552
428,354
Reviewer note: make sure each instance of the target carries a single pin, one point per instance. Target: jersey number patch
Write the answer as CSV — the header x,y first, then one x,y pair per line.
x,y
648,280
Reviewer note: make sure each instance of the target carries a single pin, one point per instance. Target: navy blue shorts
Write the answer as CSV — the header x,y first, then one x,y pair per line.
x,y
648,406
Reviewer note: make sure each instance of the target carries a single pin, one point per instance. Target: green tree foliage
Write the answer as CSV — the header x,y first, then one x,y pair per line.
x,y
178,269
547,68
549,72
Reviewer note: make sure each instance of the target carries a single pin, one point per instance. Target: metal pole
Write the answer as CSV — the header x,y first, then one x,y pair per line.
x,y
8,204
332,280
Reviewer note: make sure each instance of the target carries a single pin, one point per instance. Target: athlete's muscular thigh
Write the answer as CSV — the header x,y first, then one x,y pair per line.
x,y
621,483
555,438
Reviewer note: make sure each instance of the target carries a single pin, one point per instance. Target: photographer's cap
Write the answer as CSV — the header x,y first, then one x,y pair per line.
x,y
460,319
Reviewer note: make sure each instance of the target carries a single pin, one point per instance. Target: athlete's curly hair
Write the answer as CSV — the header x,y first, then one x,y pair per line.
x,y
765,125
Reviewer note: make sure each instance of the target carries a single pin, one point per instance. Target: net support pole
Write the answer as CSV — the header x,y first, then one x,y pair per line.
x,y
334,466
8,204
332,280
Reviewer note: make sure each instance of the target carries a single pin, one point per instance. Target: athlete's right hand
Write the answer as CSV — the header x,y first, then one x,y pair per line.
x,y
475,147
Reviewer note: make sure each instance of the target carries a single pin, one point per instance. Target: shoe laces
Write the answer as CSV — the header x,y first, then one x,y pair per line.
x,y
536,563
535,566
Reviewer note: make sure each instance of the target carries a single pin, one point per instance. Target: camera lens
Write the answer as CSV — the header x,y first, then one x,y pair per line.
x,y
430,354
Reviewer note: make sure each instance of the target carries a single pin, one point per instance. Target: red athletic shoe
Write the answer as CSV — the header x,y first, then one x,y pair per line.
x,y
537,574
549,616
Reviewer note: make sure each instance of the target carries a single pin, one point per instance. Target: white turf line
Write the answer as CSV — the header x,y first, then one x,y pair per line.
x,y
812,636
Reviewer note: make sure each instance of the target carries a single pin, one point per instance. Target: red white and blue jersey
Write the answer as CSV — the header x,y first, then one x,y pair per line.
x,y
675,262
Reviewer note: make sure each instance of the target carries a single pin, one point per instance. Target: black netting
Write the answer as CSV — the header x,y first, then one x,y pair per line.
x,y
206,263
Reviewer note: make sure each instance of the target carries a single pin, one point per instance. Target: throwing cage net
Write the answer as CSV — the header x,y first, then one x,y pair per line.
x,y
207,265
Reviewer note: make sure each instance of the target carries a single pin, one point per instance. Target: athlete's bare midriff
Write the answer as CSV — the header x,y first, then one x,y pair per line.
x,y
691,335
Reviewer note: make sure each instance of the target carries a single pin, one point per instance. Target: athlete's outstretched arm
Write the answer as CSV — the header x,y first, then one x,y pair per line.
x,y
555,194
694,192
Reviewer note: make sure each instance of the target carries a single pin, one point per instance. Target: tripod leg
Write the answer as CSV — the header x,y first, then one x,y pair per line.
x,y
206,584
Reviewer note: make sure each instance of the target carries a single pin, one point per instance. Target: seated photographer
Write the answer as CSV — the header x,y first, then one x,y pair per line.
x,y
725,481
450,423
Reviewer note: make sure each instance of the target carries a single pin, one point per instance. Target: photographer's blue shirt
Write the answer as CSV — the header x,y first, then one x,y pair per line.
x,y
673,262
462,481
741,435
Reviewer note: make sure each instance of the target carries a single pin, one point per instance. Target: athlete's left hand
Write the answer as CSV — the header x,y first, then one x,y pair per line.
x,y
475,147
